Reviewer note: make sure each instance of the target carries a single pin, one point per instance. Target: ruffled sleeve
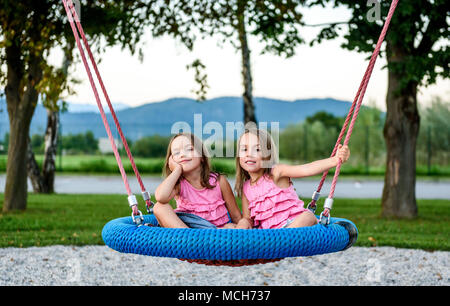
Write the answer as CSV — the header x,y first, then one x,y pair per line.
x,y
270,206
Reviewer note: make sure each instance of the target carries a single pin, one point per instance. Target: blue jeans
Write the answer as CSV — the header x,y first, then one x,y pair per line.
x,y
194,221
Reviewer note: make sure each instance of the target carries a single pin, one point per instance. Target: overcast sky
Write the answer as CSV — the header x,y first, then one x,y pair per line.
x,y
322,71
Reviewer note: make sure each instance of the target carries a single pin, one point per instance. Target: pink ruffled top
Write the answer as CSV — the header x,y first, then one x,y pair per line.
x,y
206,203
271,206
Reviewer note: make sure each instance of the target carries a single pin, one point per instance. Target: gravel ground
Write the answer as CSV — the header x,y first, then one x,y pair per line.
x,y
100,265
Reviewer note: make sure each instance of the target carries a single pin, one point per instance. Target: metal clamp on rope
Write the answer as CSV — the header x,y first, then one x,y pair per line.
x,y
315,197
146,197
132,201
137,219
324,221
327,206
328,203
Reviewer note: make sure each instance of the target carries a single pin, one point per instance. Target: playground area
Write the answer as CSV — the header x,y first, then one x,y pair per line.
x,y
318,199
58,242
101,266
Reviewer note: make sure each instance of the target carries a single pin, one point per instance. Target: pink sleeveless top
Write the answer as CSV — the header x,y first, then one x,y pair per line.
x,y
271,206
206,203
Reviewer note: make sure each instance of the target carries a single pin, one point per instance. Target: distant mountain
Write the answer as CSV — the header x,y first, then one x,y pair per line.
x,y
83,108
159,117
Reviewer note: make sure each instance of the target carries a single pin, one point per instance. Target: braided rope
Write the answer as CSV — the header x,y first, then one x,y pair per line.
x,y
363,91
97,98
73,13
356,107
341,135
113,113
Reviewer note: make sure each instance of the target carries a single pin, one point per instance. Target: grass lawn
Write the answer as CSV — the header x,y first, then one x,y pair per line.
x,y
106,164
69,219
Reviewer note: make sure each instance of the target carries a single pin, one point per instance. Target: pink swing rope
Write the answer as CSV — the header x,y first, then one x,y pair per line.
x,y
145,194
354,110
72,15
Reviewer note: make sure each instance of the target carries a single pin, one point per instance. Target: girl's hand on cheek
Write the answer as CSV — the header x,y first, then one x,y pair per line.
x,y
174,165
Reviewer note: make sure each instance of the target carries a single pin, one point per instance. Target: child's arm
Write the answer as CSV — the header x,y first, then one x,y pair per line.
x,y
166,190
314,168
230,201
246,220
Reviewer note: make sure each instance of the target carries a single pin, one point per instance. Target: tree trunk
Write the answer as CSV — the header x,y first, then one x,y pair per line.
x,y
249,107
16,168
21,102
51,147
34,173
44,183
400,132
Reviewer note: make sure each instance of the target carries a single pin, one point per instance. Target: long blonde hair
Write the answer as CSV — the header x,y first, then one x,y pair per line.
x,y
270,156
205,165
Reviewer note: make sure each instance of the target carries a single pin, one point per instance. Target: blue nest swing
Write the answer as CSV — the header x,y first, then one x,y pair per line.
x,y
216,245
223,246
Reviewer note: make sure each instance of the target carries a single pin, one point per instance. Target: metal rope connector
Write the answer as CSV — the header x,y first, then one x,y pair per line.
x,y
132,201
146,195
315,197
148,202
136,214
324,220
328,203
138,219
326,212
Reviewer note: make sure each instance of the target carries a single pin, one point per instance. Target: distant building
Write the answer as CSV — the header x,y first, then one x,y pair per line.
x,y
104,145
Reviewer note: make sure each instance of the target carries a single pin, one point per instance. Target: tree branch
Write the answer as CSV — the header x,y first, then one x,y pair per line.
x,y
327,24
427,41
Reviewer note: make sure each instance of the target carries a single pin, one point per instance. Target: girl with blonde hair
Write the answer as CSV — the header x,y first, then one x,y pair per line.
x,y
197,190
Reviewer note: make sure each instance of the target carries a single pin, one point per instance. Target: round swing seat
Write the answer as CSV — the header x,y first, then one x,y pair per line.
x,y
217,245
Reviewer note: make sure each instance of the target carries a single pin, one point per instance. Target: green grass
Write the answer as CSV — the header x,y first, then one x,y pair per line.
x,y
67,219
106,164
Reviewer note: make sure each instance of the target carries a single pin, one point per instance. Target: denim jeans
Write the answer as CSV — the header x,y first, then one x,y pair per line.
x,y
194,221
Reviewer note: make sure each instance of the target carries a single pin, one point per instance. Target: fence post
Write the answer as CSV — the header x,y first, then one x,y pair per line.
x,y
60,139
305,142
428,150
367,147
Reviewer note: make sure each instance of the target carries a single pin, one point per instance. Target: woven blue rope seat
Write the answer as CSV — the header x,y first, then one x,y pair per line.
x,y
221,245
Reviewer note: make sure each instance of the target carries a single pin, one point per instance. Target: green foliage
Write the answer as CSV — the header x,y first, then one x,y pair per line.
x,y
151,146
200,78
367,143
275,23
310,140
30,31
84,143
5,143
436,120
433,144
328,120
46,27
417,35
313,139
37,143
80,143
107,164
224,166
